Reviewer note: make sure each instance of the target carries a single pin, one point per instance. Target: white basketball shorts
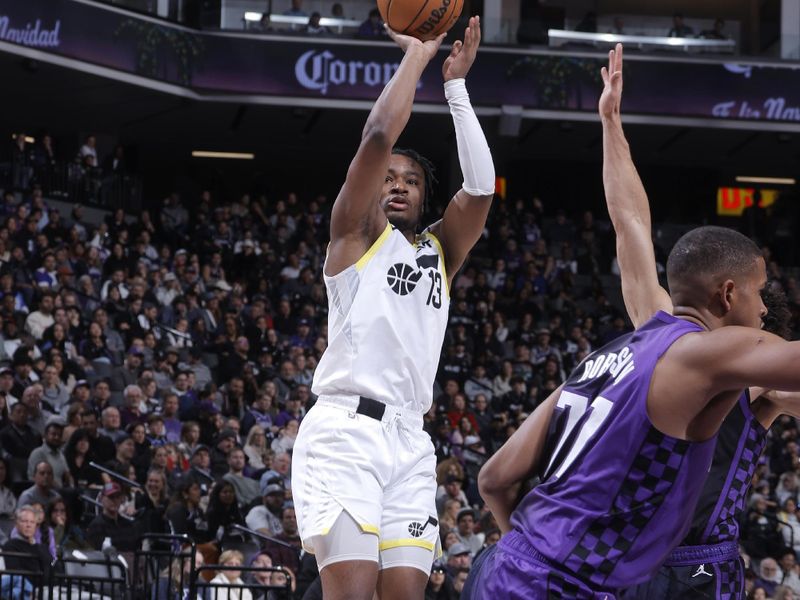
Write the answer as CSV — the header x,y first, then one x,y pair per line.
x,y
383,473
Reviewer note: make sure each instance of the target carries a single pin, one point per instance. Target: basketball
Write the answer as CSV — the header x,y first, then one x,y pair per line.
x,y
423,19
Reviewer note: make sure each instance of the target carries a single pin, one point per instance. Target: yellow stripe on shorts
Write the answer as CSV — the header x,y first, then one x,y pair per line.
x,y
389,544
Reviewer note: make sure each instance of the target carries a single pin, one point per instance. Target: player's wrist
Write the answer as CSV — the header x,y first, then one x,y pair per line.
x,y
455,87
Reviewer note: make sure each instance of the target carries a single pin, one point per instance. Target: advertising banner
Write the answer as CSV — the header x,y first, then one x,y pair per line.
x,y
330,69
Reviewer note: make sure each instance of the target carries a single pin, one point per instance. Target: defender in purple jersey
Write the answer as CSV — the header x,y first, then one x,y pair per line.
x,y
621,469
707,564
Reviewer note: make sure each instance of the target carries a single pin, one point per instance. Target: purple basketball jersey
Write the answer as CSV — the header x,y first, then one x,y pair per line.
x,y
616,495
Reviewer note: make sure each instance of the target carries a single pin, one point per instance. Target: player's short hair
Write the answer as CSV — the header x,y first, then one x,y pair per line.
x,y
778,314
427,168
710,251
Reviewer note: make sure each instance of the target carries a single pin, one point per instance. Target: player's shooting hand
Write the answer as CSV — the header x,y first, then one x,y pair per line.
x,y
406,42
457,65
611,98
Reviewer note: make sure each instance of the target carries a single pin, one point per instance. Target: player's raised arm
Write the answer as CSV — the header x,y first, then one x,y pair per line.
x,y
627,205
357,219
500,478
465,216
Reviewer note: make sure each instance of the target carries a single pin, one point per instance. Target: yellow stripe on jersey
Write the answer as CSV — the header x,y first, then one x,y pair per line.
x,y
438,245
389,544
367,528
362,262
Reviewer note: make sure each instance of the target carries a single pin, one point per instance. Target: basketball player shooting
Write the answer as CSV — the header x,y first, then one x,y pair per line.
x,y
623,448
363,477
707,563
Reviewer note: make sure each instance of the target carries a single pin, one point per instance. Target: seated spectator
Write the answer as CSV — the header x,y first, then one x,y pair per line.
x,y
284,442
465,522
458,557
281,555
247,490
122,533
313,27
372,27
223,510
769,576
50,452
259,455
715,33
296,9
450,490
23,541
679,28
185,513
440,586
17,439
101,447
8,501
42,491
267,517
281,466
232,576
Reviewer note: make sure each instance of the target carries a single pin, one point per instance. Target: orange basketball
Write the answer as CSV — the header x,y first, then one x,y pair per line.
x,y
423,19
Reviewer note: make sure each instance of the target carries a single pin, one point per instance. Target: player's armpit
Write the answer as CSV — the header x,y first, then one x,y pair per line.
x,y
514,462
461,227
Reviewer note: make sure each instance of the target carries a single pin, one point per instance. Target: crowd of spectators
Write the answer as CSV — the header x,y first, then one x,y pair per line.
x,y
176,348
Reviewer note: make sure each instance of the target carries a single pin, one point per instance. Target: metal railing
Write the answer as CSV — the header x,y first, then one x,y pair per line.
x,y
70,181
560,37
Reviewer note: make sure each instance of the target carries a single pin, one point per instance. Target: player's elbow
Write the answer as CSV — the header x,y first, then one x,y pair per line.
x,y
490,481
376,134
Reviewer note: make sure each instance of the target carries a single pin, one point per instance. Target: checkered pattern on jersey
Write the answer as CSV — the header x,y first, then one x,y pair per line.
x,y
560,588
730,580
726,527
610,537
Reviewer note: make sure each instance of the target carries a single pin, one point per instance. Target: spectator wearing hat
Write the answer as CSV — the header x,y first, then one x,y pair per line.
x,y
266,517
156,430
168,290
124,534
24,377
440,585
303,337
128,373
200,469
42,491
50,452
42,318
247,490
459,556
465,530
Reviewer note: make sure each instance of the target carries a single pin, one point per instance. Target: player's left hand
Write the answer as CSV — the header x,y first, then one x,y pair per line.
x,y
457,65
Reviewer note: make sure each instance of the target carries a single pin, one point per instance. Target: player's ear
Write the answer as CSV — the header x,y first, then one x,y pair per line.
x,y
727,292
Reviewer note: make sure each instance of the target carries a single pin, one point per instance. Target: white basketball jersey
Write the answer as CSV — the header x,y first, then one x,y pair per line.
x,y
386,323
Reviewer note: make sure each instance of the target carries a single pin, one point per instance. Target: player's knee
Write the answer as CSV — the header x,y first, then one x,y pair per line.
x,y
349,580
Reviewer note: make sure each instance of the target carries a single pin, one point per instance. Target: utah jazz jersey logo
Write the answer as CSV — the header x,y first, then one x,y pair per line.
x,y
402,278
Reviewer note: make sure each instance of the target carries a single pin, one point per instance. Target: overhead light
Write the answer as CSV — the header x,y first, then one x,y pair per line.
x,y
767,180
214,154
28,139
252,16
